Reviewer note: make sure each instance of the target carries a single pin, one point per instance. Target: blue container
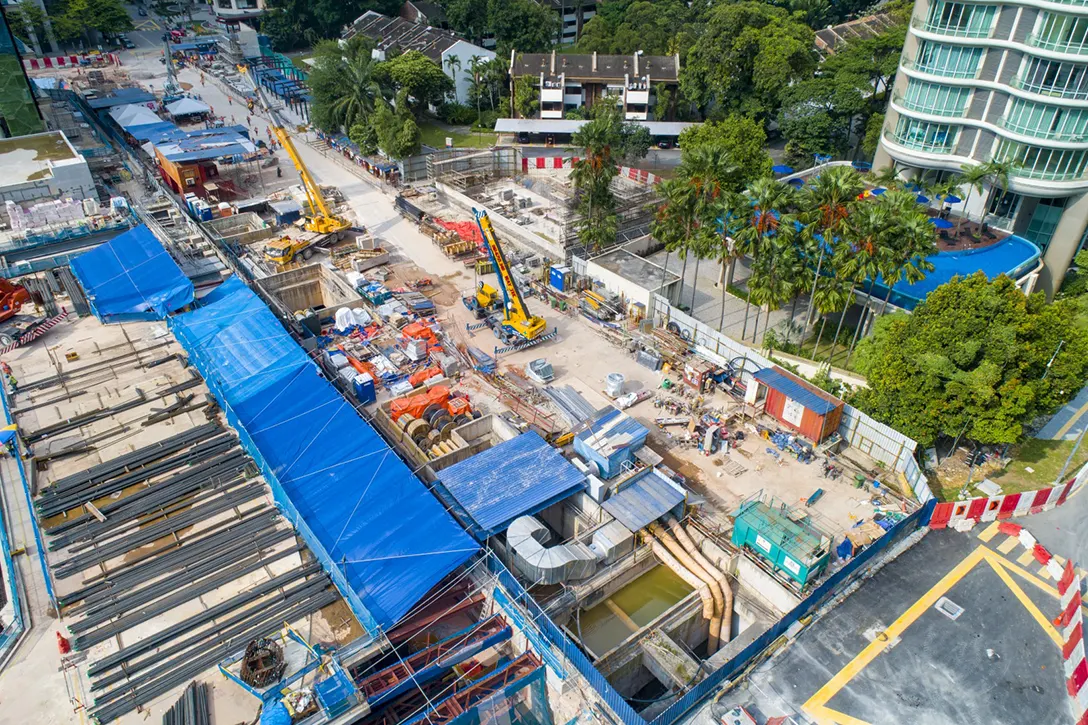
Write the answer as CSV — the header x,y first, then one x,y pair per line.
x,y
364,389
559,277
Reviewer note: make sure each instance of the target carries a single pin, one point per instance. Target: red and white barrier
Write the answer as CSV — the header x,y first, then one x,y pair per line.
x,y
546,162
1070,622
66,61
36,332
640,175
957,514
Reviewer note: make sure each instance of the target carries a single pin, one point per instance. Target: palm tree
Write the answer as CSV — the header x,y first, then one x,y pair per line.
x,y
361,92
826,202
912,240
832,294
475,65
769,201
997,173
453,64
867,235
676,221
708,170
974,177
887,176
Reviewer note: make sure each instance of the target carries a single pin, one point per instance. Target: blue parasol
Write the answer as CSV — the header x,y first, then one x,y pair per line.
x,y
942,223
952,199
782,169
922,199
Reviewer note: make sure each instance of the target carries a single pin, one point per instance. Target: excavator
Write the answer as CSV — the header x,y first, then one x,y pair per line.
x,y
516,326
320,223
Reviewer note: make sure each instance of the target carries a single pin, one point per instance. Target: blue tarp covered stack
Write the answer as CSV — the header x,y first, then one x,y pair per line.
x,y
384,538
132,277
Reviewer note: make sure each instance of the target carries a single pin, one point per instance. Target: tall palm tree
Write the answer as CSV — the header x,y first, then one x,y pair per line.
x,y
676,221
867,234
997,174
453,64
826,203
357,103
973,176
887,176
832,294
708,169
912,239
475,67
770,202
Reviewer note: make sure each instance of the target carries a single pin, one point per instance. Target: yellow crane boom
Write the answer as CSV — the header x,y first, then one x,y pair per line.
x,y
516,316
321,219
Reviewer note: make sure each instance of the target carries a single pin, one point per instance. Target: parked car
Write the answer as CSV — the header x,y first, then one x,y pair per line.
x,y
142,12
127,43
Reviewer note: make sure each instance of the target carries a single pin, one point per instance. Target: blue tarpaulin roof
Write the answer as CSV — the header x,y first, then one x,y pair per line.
x,y
518,477
121,97
363,511
647,498
132,277
794,390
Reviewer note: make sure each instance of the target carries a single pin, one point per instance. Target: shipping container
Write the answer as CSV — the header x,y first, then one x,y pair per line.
x,y
800,405
780,538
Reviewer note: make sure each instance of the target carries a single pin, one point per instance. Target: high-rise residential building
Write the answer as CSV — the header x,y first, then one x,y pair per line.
x,y
1006,81
19,112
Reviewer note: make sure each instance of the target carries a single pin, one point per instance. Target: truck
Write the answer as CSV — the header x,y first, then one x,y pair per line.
x,y
484,301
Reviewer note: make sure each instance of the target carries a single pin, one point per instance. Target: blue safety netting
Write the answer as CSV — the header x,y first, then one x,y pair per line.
x,y
132,277
373,524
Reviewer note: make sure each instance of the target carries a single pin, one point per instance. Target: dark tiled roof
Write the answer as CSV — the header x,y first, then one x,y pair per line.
x,y
431,11
831,39
609,67
400,33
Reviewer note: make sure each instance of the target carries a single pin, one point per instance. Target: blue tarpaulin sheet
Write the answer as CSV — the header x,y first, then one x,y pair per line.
x,y
132,277
518,477
360,507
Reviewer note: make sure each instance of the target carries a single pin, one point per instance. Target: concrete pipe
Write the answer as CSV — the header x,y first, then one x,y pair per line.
x,y
720,576
693,566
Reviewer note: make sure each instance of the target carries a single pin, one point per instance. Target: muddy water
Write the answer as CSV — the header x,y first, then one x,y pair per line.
x,y
636,605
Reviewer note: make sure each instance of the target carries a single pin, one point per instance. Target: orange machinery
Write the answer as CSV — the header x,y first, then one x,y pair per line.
x,y
12,299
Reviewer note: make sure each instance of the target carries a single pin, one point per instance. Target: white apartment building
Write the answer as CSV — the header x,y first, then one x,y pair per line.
x,y
1008,81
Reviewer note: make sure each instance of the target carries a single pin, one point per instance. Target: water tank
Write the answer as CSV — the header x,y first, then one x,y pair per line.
x,y
613,385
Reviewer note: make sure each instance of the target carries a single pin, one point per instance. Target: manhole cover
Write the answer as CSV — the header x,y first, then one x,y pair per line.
x,y
949,608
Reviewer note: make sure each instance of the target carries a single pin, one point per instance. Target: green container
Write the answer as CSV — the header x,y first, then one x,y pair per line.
x,y
797,550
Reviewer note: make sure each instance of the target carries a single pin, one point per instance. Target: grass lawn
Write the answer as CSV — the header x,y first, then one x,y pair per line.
x,y
435,136
299,61
841,350
1045,459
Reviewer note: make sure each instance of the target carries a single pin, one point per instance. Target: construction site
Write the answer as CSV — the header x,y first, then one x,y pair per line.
x,y
290,459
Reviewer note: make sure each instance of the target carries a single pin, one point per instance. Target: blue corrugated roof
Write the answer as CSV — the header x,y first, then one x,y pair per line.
x,y
794,390
518,477
604,431
646,499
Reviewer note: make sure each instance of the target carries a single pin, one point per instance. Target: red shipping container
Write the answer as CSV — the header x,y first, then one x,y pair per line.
x,y
799,405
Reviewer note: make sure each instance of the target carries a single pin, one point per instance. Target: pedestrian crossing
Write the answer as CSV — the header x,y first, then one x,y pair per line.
x,y
147,24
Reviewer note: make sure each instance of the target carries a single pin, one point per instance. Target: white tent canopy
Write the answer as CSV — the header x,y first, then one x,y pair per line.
x,y
134,114
187,107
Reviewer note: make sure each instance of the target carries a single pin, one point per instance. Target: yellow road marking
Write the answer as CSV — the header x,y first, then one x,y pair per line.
x,y
913,612
1024,600
1026,558
1071,422
989,532
1008,545
824,715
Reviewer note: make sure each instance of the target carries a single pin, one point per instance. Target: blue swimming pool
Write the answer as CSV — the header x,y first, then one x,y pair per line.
x,y
1013,256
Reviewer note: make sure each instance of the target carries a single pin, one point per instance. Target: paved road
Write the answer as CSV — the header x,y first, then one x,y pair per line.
x,y
1070,421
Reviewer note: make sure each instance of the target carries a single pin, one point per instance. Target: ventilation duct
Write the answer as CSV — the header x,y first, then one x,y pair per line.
x,y
528,538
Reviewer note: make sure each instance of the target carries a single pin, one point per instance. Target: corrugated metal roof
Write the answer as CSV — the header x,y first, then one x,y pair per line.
x,y
647,499
518,477
613,431
795,390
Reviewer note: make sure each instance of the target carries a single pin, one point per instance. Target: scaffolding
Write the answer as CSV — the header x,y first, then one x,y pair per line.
x,y
469,171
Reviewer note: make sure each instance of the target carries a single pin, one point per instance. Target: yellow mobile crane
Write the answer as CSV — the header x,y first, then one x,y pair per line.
x,y
516,326
317,225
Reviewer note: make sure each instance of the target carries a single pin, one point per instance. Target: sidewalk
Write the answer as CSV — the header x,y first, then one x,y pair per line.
x,y
1068,422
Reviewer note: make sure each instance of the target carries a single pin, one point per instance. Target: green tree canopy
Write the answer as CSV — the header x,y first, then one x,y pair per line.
x,y
971,359
748,54
622,27
416,74
816,115
395,129
343,84
607,134
743,140
297,23
522,25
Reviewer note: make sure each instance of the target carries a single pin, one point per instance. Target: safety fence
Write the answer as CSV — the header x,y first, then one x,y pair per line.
x,y
878,441
14,629
9,420
1006,506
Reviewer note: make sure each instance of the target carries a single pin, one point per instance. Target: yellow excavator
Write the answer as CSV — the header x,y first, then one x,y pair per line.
x,y
320,222
516,326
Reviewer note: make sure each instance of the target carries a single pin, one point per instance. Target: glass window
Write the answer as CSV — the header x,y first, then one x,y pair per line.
x,y
1063,33
1055,78
1038,162
1003,208
1044,220
954,61
926,135
961,19
1043,120
937,99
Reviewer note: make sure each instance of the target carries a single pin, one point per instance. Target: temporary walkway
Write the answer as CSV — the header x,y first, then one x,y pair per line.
x,y
384,538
